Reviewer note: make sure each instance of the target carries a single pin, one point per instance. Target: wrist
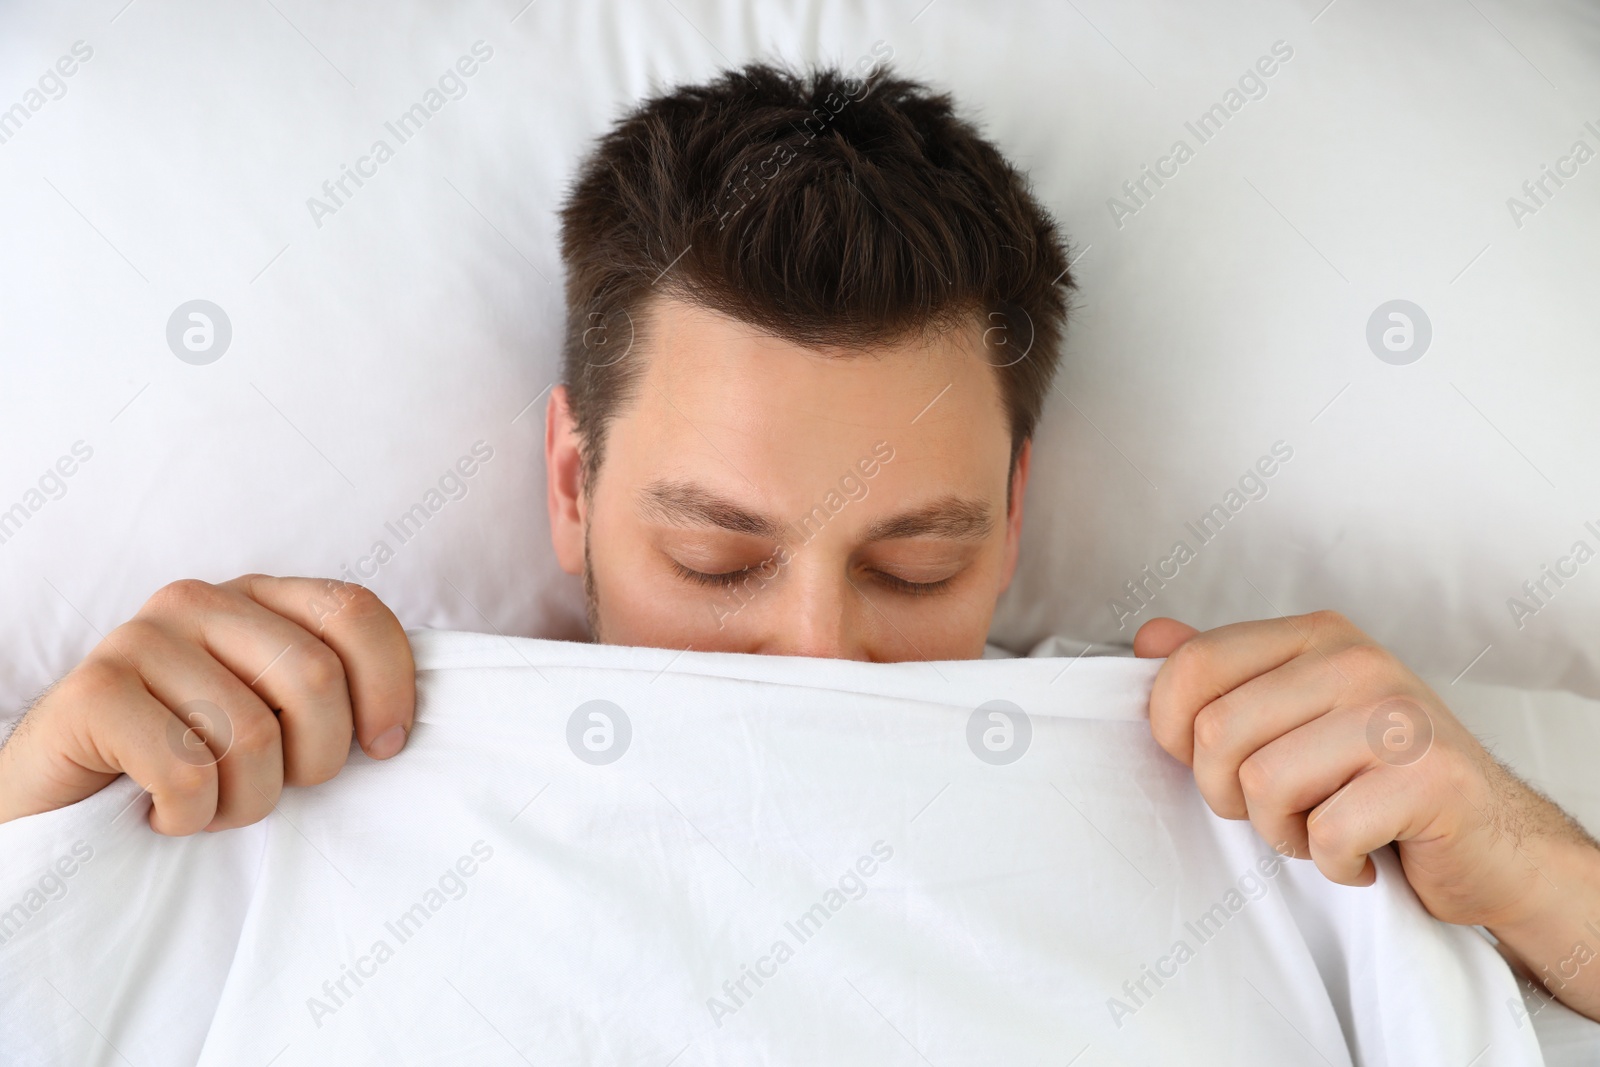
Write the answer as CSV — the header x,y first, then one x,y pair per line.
x,y
1554,928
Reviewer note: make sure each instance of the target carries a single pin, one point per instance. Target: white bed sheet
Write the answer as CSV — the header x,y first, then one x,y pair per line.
x,y
585,912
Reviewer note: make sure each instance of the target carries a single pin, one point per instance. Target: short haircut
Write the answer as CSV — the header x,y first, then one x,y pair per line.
x,y
825,208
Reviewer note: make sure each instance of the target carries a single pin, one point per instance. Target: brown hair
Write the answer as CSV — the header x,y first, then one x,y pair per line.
x,y
827,209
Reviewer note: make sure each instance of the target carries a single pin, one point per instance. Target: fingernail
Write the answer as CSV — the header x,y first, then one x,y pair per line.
x,y
387,743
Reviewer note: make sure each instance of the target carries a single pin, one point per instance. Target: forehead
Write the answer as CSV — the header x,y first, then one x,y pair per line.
x,y
770,421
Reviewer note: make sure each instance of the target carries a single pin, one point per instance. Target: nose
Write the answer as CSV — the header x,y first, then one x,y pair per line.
x,y
815,616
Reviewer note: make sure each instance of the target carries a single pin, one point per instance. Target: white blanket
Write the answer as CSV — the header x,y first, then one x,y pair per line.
x,y
759,860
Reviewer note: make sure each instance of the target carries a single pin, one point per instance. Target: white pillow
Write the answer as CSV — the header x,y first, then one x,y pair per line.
x,y
380,338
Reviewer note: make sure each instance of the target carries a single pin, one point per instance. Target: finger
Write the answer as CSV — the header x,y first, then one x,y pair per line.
x,y
370,641
1371,810
285,664
1287,778
43,766
227,724
142,739
1159,637
1210,664
1233,727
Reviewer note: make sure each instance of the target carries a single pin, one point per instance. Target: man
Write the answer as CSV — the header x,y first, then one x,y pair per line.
x,y
811,323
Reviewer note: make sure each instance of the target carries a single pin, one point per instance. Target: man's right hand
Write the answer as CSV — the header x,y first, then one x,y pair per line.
x,y
213,697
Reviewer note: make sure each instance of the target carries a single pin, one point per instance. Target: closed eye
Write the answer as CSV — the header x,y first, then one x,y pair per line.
x,y
900,585
888,581
723,578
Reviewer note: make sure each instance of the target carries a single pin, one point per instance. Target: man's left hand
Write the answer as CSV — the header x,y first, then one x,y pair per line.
x,y
1332,749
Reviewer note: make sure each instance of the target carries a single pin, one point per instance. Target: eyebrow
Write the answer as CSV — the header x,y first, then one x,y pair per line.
x,y
951,518
686,504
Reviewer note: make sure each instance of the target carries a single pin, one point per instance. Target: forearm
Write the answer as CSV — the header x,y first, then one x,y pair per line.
x,y
1557,937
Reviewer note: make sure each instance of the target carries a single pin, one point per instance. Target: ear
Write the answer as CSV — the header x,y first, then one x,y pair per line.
x,y
563,462
1019,484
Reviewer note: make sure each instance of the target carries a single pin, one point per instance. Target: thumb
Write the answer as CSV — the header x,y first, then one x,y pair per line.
x,y
1161,637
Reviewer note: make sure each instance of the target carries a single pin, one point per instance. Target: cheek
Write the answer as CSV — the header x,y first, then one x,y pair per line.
x,y
643,602
950,625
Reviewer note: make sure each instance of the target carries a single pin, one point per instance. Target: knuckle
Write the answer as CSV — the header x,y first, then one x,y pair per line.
x,y
1166,734
356,606
96,679
1211,726
1327,834
1222,802
316,767
319,669
1327,623
1192,661
362,603
185,596
245,584
1256,779
249,817
186,781
325,594
1330,627
139,632
318,773
1364,660
248,808
253,736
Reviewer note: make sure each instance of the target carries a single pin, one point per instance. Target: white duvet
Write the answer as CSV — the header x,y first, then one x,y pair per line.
x,y
634,856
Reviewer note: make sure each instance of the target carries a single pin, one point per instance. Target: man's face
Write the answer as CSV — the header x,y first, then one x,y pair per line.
x,y
756,496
